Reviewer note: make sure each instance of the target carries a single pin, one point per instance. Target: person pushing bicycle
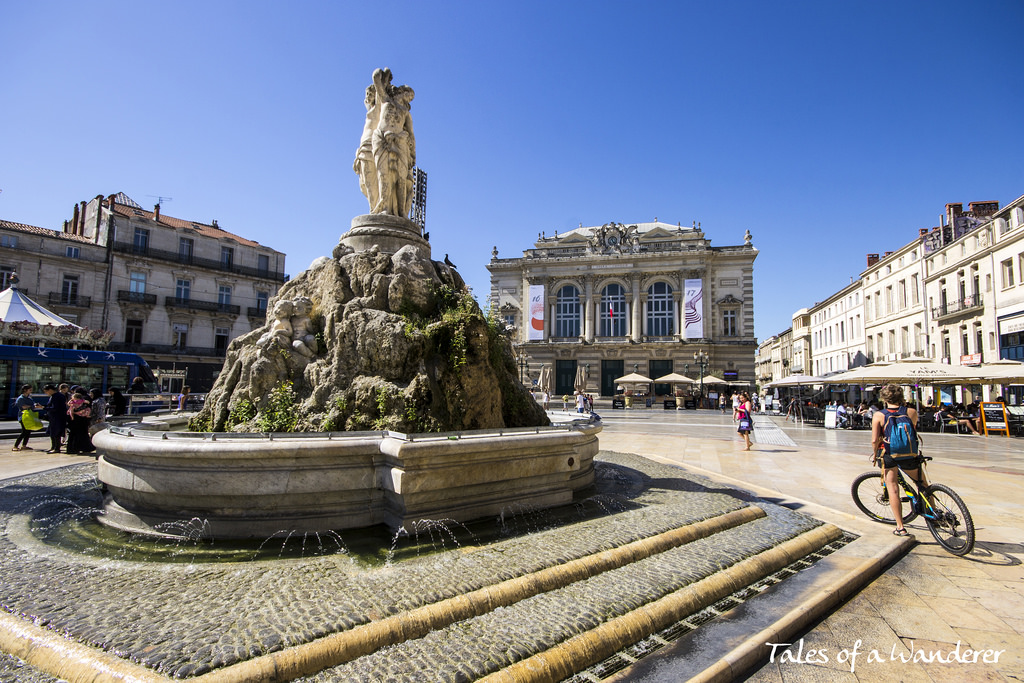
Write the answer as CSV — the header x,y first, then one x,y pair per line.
x,y
894,440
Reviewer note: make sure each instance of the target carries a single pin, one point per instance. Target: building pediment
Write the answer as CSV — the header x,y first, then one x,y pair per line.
x,y
573,238
660,233
729,300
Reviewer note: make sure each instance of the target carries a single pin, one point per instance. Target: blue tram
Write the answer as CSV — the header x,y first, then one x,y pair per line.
x,y
40,366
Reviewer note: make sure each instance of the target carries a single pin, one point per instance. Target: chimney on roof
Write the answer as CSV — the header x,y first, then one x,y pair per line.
x,y
983,209
81,223
872,259
922,232
952,211
74,221
156,212
888,254
214,223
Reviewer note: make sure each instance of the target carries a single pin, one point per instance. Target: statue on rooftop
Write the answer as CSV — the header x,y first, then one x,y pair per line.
x,y
387,149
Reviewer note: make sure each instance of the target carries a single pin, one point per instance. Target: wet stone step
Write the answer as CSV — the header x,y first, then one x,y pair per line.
x,y
471,649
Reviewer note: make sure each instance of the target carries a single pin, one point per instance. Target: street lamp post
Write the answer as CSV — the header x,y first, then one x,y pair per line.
x,y
701,359
524,366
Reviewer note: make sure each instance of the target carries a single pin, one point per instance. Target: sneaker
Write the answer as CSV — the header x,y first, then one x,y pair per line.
x,y
15,449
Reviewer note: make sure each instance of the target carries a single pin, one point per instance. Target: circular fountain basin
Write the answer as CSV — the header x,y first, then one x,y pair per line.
x,y
255,485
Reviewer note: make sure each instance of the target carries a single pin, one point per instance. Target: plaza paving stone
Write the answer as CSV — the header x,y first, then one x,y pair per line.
x,y
982,608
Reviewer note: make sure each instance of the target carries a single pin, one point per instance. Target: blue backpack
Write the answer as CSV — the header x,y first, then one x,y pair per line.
x,y
899,433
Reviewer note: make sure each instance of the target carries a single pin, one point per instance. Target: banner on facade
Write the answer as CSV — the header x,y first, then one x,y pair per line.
x,y
693,310
536,312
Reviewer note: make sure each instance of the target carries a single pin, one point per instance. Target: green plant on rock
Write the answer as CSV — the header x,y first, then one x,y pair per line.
x,y
278,413
382,401
200,422
242,411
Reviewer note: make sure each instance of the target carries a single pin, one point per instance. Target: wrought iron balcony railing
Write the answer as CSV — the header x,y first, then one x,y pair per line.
x,y
73,300
964,305
199,305
192,260
168,349
136,297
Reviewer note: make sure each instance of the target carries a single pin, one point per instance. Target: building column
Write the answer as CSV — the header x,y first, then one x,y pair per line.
x,y
677,312
588,311
635,327
524,309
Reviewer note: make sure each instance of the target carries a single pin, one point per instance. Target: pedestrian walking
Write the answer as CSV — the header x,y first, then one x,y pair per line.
x,y
29,420
80,413
118,402
183,398
99,411
57,415
742,415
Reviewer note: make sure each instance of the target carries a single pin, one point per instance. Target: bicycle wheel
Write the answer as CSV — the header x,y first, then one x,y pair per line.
x,y
953,527
873,500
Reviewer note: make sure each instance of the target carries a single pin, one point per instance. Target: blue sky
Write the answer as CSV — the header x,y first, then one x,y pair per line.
x,y
829,130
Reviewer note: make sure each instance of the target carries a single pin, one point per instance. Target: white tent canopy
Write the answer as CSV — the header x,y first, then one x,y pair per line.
x,y
796,381
633,378
904,372
674,378
999,372
16,307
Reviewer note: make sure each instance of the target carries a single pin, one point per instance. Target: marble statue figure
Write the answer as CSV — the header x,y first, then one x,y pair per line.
x,y
392,147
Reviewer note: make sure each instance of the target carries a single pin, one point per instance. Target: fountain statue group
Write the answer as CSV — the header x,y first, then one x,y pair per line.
x,y
387,148
380,340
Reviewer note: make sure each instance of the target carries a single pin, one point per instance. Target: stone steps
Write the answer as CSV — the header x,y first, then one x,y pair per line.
x,y
553,633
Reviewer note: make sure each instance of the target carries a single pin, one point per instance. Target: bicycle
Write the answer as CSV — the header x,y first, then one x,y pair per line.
x,y
944,512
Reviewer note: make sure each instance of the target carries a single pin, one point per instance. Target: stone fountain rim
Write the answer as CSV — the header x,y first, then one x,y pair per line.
x,y
573,425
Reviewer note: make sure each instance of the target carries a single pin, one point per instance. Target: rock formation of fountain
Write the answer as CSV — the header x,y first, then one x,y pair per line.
x,y
378,338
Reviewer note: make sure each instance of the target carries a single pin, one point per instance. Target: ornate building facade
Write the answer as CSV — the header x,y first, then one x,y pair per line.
x,y
173,290
616,299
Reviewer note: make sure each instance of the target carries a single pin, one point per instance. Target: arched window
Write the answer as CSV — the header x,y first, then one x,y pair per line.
x,y
660,310
567,312
613,311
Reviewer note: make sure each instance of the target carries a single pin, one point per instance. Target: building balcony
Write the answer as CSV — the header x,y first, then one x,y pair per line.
x,y
136,297
168,350
953,308
198,305
256,312
72,300
196,261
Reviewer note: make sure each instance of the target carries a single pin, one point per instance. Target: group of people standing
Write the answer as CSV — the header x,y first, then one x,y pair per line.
x,y
72,413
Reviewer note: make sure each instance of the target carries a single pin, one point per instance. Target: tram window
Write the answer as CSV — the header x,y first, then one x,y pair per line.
x,y
87,376
5,378
117,376
38,374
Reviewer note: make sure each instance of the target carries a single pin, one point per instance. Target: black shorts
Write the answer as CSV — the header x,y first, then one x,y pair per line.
x,y
904,462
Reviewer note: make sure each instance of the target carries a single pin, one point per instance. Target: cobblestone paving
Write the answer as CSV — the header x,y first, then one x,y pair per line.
x,y
183,620
13,670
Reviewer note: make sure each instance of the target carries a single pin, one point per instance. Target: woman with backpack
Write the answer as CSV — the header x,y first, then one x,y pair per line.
x,y
894,439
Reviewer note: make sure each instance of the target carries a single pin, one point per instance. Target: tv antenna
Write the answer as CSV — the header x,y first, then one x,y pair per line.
x,y
159,199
